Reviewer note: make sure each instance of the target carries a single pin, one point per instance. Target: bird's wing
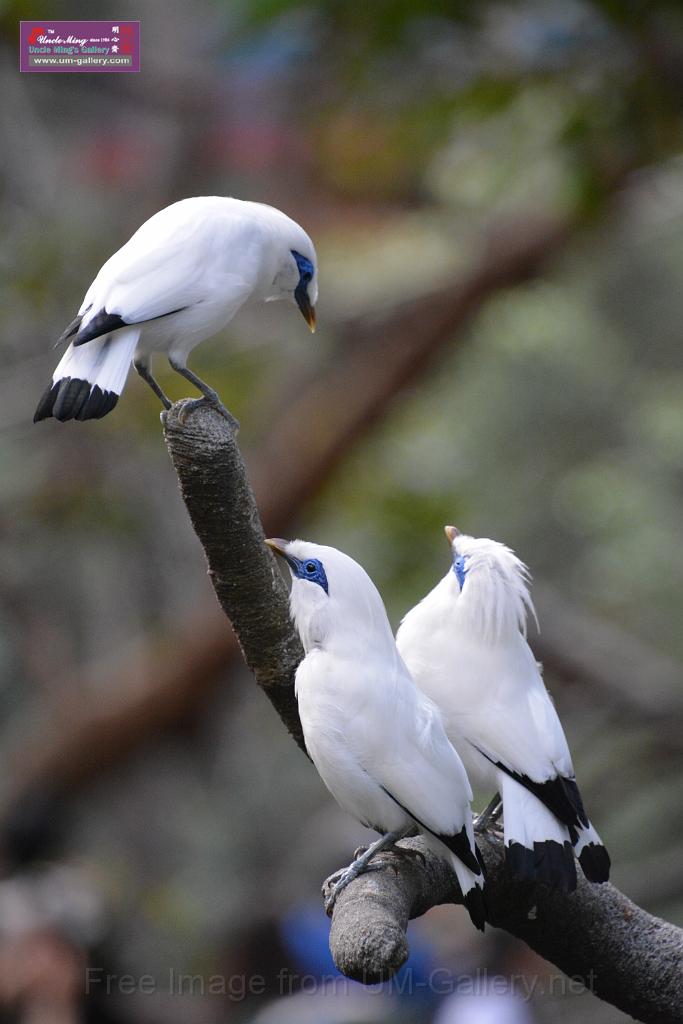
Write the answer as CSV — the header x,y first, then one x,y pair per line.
x,y
176,259
492,696
417,766
494,699
525,739
515,722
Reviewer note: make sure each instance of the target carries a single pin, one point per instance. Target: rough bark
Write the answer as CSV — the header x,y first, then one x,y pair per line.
x,y
596,935
216,490
625,955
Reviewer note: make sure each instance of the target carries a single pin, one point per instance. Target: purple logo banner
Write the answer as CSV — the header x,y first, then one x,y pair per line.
x,y
79,45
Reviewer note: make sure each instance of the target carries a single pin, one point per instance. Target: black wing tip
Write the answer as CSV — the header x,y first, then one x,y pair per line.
x,y
560,795
480,860
460,845
549,862
69,331
74,399
595,862
101,323
475,903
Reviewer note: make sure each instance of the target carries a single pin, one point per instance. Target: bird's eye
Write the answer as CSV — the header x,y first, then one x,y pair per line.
x,y
310,567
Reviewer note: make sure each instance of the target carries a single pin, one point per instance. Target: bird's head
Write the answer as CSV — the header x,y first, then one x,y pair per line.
x,y
305,293
489,582
332,597
296,272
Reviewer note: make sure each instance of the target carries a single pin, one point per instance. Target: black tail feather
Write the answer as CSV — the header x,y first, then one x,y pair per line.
x,y
71,397
75,399
99,403
46,403
520,861
595,862
549,862
475,902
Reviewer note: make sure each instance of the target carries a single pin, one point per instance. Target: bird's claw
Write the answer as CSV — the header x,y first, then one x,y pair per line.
x,y
190,404
232,420
359,851
333,879
337,882
334,885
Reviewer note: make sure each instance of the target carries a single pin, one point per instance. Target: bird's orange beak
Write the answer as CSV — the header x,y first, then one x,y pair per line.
x,y
311,320
451,533
307,309
308,313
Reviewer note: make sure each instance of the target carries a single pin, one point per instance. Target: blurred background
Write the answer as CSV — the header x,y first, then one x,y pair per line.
x,y
161,837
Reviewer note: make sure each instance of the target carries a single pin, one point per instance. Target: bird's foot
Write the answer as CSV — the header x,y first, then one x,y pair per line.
x,y
190,404
489,816
337,882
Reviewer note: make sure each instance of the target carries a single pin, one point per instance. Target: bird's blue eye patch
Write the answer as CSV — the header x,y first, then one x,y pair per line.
x,y
459,569
306,269
310,569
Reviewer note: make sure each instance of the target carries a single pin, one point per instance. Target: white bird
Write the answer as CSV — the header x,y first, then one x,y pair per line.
x,y
465,645
378,743
181,277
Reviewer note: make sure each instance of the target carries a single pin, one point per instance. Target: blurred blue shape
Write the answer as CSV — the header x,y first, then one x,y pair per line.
x,y
305,933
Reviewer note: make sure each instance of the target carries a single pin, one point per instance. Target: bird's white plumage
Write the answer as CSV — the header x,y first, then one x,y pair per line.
x,y
527,820
465,645
104,361
195,263
468,650
378,743
181,277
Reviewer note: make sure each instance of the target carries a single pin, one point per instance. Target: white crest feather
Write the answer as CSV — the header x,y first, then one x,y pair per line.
x,y
495,598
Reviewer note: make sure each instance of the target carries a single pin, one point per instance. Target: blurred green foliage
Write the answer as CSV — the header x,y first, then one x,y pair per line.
x,y
406,135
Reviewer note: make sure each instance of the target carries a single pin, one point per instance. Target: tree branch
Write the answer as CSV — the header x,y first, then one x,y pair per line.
x,y
622,953
596,935
155,685
250,590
